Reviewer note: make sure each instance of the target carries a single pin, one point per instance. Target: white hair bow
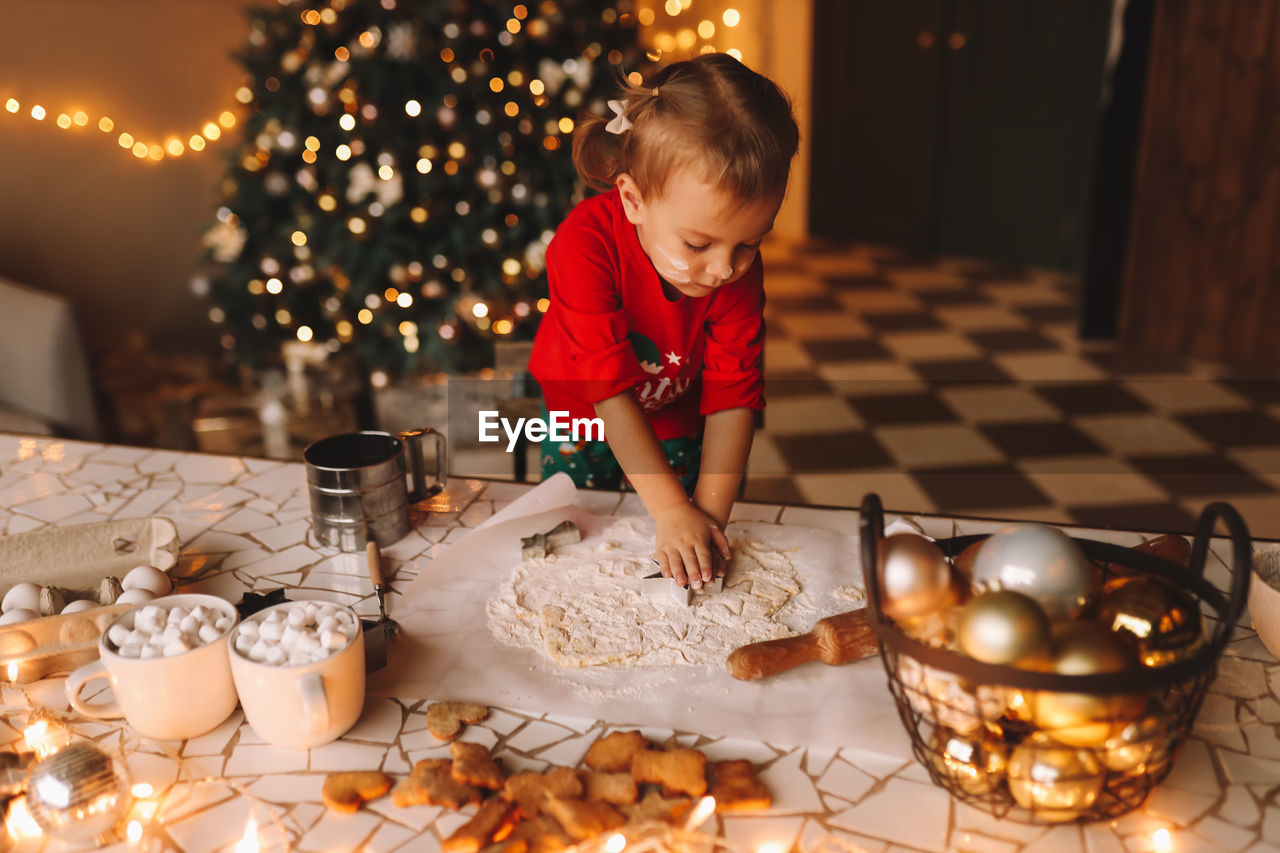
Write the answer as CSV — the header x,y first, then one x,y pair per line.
x,y
619,123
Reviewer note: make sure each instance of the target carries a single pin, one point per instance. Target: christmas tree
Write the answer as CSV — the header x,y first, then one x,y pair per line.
x,y
404,164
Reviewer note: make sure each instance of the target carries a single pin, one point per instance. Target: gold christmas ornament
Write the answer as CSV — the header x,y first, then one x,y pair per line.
x,y
915,577
1164,618
974,764
1003,627
1132,746
1056,782
1086,719
1039,561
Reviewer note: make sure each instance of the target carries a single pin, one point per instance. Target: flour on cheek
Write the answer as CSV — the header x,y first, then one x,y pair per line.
x,y
677,269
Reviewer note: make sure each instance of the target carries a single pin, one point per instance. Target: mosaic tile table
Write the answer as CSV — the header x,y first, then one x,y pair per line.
x,y
244,526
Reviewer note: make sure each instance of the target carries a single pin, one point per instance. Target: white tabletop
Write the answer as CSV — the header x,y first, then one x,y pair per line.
x,y
244,525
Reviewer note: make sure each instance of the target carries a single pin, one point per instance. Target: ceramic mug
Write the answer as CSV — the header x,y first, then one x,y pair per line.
x,y
356,482
301,705
174,697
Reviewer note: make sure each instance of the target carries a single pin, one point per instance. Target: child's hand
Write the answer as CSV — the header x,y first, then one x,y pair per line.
x,y
684,545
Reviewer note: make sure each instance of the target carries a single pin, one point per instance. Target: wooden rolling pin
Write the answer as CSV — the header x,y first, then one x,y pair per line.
x,y
843,638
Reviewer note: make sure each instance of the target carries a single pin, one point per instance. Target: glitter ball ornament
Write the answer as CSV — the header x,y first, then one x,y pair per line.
x,y
1039,561
1056,782
78,793
914,576
1003,627
1164,618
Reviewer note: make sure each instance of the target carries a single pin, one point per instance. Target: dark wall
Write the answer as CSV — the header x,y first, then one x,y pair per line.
x,y
79,215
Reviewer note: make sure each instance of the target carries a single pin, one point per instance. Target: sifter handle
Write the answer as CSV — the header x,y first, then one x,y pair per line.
x,y
374,555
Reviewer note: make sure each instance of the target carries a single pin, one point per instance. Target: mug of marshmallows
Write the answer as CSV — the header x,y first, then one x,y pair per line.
x,y
178,665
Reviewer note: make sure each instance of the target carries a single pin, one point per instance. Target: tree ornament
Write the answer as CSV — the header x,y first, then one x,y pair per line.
x,y
1086,719
1055,781
914,576
1164,618
78,793
1039,561
974,764
1130,748
1002,626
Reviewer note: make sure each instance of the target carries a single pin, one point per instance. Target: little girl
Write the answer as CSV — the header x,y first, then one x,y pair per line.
x,y
655,324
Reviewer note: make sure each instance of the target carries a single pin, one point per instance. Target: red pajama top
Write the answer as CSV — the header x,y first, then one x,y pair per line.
x,y
610,327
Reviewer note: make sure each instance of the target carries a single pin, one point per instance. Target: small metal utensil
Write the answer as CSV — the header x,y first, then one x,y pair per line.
x,y
377,634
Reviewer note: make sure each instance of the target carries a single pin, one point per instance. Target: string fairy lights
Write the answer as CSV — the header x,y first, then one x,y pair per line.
x,y
172,146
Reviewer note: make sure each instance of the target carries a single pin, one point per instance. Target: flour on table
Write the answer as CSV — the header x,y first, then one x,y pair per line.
x,y
581,606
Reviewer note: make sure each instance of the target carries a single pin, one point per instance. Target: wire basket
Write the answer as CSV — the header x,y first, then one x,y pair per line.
x,y
979,727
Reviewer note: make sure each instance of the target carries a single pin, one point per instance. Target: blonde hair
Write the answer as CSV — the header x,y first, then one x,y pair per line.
x,y
712,114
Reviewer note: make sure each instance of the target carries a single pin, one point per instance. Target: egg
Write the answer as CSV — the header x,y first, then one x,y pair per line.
x,y
135,596
18,614
22,596
79,605
149,578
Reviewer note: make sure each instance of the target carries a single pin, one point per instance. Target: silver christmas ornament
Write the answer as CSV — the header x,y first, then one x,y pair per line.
x,y
78,793
1039,561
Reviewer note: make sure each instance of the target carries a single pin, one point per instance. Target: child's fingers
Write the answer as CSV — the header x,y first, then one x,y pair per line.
x,y
704,566
691,565
673,569
721,541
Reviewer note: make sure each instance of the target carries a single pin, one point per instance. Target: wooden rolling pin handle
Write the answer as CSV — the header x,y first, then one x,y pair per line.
x,y
374,555
843,638
761,660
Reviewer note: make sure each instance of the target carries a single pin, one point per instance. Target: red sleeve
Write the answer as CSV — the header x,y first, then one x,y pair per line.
x,y
733,365
595,359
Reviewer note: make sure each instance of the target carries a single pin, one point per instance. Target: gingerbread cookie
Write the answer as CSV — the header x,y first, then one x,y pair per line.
x,y
584,820
473,765
529,790
445,719
495,817
613,752
654,806
347,792
679,771
431,783
736,788
616,788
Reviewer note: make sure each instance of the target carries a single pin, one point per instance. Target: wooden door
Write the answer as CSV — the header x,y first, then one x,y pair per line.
x,y
876,87
1023,98
963,126
1203,268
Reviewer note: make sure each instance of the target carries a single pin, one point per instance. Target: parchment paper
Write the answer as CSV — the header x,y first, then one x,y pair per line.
x,y
446,652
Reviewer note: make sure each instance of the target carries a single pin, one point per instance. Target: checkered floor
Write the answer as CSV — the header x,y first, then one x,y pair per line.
x,y
956,387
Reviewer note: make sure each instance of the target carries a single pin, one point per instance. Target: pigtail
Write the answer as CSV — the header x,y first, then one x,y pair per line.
x,y
596,153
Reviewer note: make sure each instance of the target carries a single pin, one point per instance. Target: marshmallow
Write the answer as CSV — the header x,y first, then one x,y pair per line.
x,y
150,652
301,633
118,635
208,633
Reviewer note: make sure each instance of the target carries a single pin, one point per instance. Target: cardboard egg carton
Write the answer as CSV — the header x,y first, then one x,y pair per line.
x,y
53,645
75,558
